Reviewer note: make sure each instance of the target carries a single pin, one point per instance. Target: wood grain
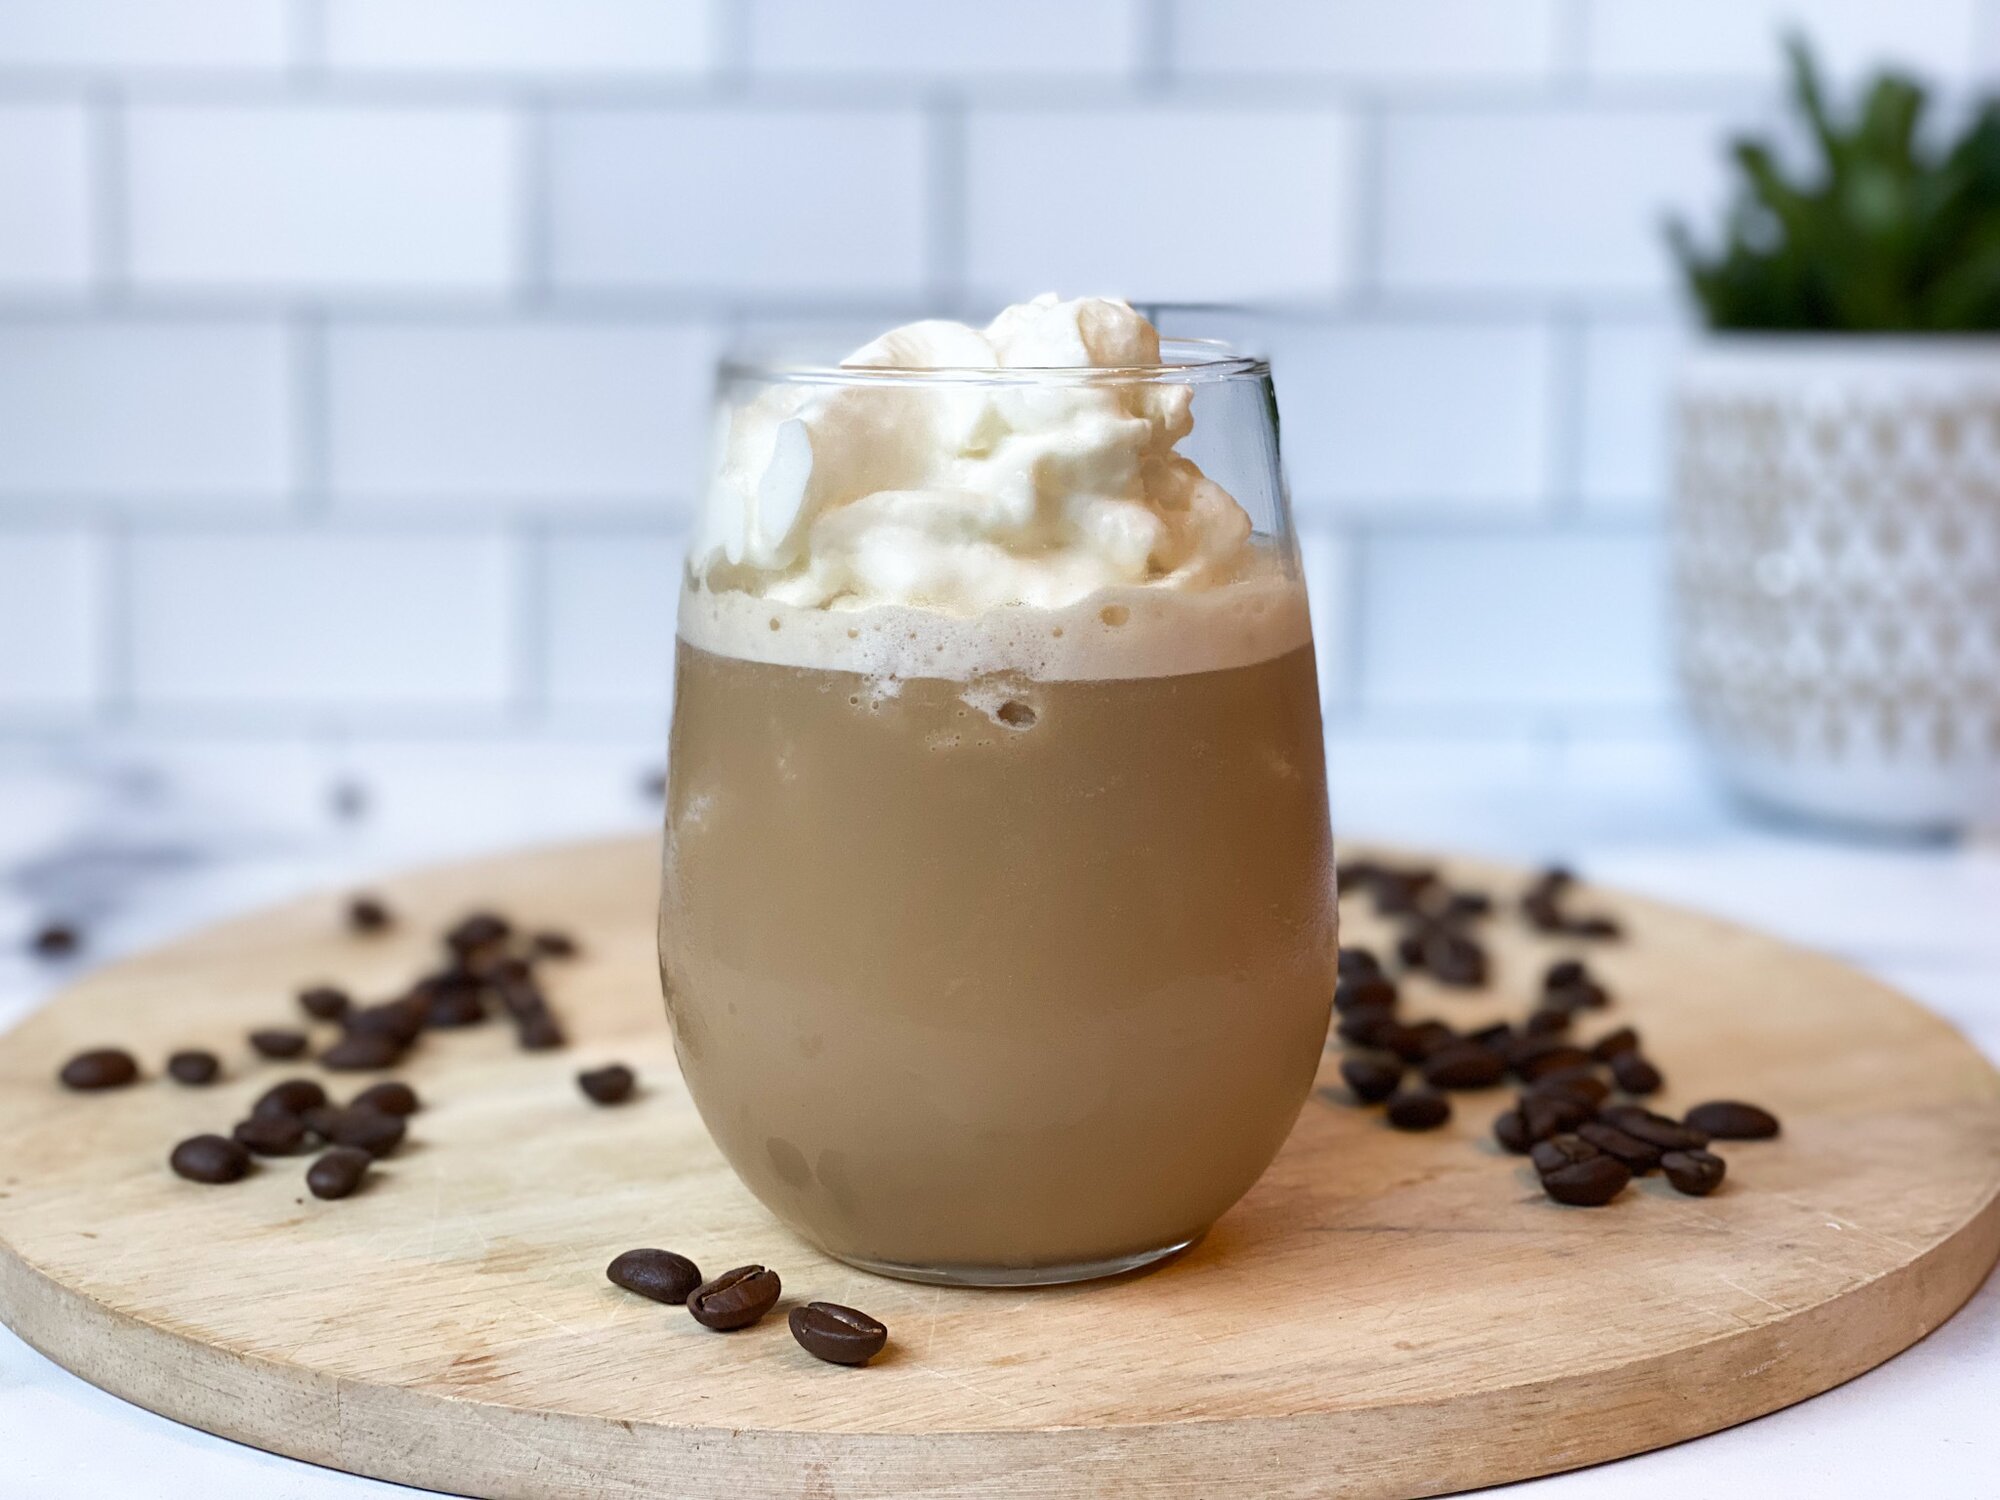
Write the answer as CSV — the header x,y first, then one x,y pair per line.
x,y
1383,1315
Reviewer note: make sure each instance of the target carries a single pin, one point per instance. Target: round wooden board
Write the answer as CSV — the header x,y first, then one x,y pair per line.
x,y
1384,1315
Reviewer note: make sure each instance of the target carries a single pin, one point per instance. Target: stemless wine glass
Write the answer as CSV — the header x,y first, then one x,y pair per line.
x,y
999,942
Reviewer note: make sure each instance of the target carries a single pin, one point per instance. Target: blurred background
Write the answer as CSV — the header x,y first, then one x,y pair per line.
x,y
355,354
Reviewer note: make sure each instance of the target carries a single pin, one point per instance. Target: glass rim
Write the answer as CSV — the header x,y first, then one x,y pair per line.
x,y
1201,361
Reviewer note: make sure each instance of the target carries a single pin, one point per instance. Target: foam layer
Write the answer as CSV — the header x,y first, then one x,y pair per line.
x,y
1125,632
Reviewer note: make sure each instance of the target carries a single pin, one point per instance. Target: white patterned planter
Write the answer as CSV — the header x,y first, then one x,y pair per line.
x,y
1836,534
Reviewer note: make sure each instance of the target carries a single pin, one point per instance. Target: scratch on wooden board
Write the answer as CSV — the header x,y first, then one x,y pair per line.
x,y
1753,1295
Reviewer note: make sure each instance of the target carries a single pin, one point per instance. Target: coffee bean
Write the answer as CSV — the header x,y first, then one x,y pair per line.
x,y
1538,1056
839,1335
458,1001
336,1173
391,1098
1571,998
368,1129
1696,1173
193,1067
1415,1043
1560,1151
540,1032
1410,948
1549,1114
1462,1065
1419,1109
735,1299
55,940
1656,1130
323,1002
1547,1022
658,1274
319,1119
1454,959
1639,1156
1510,1129
480,930
1732,1120
1587,1184
607,1085
1635,1074
100,1068
1597,928
1359,963
278,1042
1365,1024
210,1158
1564,972
367,914
292,1097
1369,989
271,1135
553,944
362,1052
1608,1046
399,1020
1465,906
1578,1083
1372,1079
1499,1036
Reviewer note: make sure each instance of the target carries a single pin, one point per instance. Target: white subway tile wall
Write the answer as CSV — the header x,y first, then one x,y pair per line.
x,y
355,354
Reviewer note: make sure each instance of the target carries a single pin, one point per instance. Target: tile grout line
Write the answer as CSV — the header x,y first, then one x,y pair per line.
x,y
945,164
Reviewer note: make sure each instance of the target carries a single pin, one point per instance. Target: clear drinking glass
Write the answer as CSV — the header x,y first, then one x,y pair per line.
x,y
999,942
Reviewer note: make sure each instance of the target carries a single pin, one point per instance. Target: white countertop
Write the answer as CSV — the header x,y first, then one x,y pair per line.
x,y
144,841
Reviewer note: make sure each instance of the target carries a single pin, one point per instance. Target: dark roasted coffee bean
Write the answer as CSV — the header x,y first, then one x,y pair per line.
x,y
1572,998
338,1172
323,1002
100,1068
839,1335
1732,1120
1546,1114
1561,1151
459,1002
1639,1156
1608,1046
271,1135
1658,1130
210,1158
540,1032
658,1274
1510,1129
1635,1074
1372,1079
278,1042
1410,948
292,1097
1369,989
1596,928
735,1299
553,944
1365,1024
193,1067
1587,1184
1454,959
399,1020
1415,1043
391,1098
1464,906
1565,972
1359,963
1546,1022
319,1119
362,1052
368,1129
1696,1173
1499,1036
480,930
55,940
1419,1110
1537,1057
611,1084
367,914
1400,893
1578,1083
1462,1065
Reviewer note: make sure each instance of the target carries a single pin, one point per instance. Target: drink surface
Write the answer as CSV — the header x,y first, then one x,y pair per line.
x,y
1001,971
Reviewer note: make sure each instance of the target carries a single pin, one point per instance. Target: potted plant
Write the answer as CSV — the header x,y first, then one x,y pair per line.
x,y
1836,517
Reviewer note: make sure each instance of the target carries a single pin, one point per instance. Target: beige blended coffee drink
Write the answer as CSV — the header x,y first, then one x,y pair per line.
x,y
998,928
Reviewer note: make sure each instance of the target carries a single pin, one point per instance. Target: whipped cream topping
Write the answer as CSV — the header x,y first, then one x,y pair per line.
x,y
962,497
